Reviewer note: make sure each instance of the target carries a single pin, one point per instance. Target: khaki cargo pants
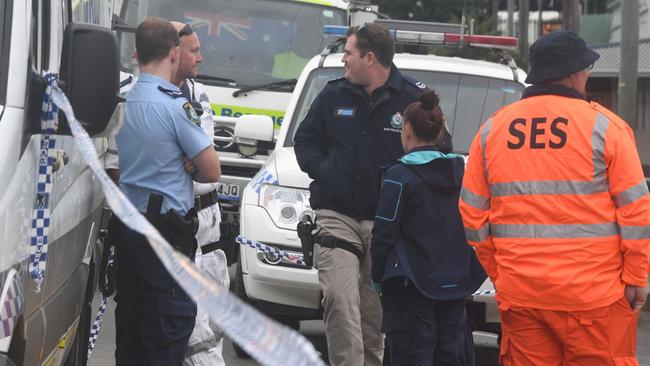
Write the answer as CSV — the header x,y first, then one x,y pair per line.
x,y
352,309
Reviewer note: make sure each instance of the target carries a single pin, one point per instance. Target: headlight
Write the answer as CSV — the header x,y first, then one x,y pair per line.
x,y
286,206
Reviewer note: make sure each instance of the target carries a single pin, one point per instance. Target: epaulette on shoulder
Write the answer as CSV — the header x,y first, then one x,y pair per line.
x,y
415,82
172,93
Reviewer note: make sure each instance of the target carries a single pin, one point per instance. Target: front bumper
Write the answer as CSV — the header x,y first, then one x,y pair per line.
x,y
275,283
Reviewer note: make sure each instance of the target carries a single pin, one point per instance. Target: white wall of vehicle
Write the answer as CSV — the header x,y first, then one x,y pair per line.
x,y
11,123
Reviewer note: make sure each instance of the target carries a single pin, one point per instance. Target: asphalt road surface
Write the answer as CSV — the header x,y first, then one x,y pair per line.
x,y
314,331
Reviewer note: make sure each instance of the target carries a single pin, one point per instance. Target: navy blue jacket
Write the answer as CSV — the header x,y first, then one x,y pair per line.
x,y
418,232
347,137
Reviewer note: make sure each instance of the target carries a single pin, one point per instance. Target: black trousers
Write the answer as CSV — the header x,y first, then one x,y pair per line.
x,y
421,331
154,317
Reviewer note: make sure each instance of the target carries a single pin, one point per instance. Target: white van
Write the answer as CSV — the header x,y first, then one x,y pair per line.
x,y
51,326
278,197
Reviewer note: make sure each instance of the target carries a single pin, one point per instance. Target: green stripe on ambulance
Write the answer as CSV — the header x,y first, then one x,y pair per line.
x,y
236,111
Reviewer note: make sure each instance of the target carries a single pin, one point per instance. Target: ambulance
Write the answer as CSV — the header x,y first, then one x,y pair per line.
x,y
278,197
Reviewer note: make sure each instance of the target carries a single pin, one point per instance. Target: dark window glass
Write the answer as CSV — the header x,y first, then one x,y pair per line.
x,y
6,10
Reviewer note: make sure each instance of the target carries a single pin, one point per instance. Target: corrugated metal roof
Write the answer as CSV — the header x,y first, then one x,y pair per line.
x,y
609,63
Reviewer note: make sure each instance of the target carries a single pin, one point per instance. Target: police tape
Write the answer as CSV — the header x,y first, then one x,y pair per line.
x,y
97,324
293,258
299,258
265,340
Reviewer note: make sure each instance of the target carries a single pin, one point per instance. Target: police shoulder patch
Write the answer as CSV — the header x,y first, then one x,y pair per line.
x,y
191,113
415,82
172,93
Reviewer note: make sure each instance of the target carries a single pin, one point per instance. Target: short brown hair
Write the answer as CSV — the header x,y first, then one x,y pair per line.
x,y
425,116
154,37
375,38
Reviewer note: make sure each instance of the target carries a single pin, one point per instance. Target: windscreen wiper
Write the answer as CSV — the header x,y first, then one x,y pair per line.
x,y
274,85
202,77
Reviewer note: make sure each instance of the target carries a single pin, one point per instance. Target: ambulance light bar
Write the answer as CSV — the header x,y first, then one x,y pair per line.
x,y
436,38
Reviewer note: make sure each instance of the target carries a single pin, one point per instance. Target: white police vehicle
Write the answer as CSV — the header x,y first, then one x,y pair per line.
x,y
278,197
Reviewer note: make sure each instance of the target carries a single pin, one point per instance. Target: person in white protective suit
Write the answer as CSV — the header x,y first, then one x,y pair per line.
x,y
206,342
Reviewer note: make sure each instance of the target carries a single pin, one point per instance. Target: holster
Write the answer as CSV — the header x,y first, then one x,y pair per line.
x,y
305,228
177,229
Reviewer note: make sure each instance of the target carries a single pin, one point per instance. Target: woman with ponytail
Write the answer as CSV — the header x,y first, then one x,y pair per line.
x,y
421,263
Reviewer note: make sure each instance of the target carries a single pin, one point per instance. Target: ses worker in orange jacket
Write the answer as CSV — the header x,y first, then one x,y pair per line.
x,y
556,205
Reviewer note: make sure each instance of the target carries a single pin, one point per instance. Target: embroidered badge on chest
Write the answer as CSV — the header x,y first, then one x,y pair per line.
x,y
397,120
191,113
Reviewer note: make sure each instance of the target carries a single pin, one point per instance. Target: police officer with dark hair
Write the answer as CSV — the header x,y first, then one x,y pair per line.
x,y
154,316
351,131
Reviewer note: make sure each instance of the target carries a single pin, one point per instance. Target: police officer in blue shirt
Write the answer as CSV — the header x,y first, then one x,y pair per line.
x,y
351,131
154,316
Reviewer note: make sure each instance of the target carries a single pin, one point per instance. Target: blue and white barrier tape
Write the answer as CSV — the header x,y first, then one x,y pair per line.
x,y
299,258
270,343
293,258
97,325
41,216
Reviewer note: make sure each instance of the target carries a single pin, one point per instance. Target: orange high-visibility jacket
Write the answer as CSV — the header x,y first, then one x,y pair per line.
x,y
555,202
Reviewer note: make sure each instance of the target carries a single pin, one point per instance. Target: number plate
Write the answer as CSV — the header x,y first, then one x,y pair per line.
x,y
228,192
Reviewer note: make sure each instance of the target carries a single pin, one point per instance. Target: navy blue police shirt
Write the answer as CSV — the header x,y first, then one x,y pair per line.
x,y
347,136
418,232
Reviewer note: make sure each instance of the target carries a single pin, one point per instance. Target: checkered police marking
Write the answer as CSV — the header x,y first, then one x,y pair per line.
x,y
12,300
265,340
41,216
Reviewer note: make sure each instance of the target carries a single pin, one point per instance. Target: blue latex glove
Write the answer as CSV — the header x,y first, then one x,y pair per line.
x,y
376,287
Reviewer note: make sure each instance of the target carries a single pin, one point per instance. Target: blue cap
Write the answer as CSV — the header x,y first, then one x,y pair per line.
x,y
557,55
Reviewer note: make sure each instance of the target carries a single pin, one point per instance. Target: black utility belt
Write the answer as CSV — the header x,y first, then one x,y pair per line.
x,y
206,200
328,241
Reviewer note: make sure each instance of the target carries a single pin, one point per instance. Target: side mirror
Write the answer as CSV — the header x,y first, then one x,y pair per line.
x,y
252,130
89,75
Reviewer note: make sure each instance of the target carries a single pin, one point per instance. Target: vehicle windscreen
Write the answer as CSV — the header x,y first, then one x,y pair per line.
x,y
466,100
252,42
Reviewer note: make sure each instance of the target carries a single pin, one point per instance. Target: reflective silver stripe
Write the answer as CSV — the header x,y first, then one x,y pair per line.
x,y
598,146
477,235
631,194
566,231
547,187
487,127
635,232
475,200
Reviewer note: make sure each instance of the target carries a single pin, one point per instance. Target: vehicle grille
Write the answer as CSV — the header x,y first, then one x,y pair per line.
x,y
239,171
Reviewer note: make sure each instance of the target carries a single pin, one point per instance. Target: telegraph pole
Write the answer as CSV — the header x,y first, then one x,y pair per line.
x,y
495,16
571,15
627,79
511,10
524,8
